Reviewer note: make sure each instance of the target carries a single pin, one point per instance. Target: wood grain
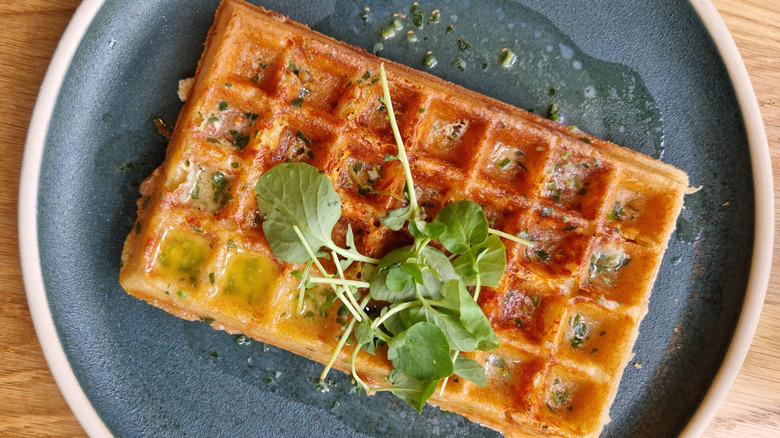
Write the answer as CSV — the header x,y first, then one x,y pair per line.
x,y
31,402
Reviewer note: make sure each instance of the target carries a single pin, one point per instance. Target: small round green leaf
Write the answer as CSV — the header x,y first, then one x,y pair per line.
x,y
422,353
297,194
466,225
397,279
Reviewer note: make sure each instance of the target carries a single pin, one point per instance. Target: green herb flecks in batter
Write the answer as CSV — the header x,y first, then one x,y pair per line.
x,y
430,316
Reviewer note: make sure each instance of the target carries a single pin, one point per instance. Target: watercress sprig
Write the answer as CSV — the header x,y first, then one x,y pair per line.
x,y
431,313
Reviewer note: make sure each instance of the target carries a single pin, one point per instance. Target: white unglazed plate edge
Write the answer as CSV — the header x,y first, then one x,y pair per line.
x,y
763,236
28,221
92,423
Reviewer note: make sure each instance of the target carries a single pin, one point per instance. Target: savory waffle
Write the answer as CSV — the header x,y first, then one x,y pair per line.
x,y
270,91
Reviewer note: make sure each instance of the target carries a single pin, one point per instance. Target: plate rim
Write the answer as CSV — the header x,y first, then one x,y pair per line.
x,y
29,250
763,236
93,424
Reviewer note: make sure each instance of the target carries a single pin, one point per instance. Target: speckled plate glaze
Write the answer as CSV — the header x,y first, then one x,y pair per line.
x,y
678,90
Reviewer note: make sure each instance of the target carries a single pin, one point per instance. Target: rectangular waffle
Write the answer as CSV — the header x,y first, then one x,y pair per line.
x,y
270,91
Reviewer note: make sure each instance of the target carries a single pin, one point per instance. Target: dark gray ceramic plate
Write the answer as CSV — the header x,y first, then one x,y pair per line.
x,y
648,75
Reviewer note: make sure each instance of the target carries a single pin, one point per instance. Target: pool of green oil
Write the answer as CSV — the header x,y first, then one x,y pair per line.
x,y
511,53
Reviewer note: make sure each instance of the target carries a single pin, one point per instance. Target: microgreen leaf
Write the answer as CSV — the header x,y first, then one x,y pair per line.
x,y
470,369
412,391
466,225
412,316
381,291
463,322
421,352
397,279
437,269
476,322
366,337
436,229
350,240
394,324
395,257
450,297
414,271
422,230
297,194
487,260
457,336
395,219
418,229
439,265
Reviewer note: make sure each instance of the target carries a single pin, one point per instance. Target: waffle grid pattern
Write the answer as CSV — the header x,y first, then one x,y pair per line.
x,y
268,91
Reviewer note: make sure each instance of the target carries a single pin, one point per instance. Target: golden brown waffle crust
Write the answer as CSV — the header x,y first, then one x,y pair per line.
x,y
542,298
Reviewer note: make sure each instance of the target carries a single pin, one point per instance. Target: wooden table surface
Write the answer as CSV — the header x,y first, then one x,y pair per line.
x,y
30,402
